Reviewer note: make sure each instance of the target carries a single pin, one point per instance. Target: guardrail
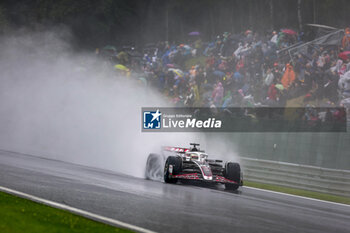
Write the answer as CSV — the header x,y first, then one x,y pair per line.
x,y
324,180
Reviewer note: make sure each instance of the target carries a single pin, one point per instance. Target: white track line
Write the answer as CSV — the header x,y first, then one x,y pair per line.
x,y
292,195
76,211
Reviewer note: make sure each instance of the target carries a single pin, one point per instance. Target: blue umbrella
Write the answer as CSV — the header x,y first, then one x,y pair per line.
x,y
238,76
219,73
194,34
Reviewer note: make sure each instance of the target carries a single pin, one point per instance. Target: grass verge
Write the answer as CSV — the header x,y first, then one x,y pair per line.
x,y
22,215
299,192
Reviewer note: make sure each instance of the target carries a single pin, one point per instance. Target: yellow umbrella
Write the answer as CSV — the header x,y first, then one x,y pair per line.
x,y
121,67
177,72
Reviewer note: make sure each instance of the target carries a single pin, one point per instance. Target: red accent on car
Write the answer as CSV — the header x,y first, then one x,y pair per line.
x,y
177,149
224,180
190,176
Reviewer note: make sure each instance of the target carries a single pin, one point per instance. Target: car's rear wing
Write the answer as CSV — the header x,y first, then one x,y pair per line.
x,y
175,149
178,149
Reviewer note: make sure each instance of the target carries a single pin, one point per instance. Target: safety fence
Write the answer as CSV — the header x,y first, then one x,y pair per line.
x,y
324,180
331,39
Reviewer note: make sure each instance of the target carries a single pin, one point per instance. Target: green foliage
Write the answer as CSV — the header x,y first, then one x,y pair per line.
x,y
140,21
3,20
21,215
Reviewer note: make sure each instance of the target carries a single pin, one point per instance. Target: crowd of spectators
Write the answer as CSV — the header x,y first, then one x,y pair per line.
x,y
242,70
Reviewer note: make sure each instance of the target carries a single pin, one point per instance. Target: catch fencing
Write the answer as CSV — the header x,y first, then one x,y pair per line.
x,y
331,39
318,179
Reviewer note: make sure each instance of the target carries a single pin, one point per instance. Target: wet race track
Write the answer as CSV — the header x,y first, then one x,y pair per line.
x,y
164,207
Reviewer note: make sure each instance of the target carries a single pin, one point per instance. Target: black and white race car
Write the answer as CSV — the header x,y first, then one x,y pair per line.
x,y
177,163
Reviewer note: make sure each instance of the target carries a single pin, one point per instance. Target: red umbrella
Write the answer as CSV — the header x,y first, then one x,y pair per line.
x,y
344,55
289,31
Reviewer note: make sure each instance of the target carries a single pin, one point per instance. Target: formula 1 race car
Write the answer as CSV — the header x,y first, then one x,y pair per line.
x,y
192,164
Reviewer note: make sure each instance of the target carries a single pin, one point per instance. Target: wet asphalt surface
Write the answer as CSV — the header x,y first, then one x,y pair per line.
x,y
167,207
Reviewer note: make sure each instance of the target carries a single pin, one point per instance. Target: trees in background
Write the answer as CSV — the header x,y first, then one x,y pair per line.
x,y
141,21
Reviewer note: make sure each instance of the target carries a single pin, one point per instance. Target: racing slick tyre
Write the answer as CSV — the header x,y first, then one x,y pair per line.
x,y
176,163
233,172
154,167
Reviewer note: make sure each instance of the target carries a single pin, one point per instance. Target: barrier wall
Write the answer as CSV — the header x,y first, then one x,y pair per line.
x,y
312,161
327,150
331,181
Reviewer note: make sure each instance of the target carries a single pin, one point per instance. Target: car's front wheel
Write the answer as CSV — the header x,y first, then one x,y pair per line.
x,y
233,172
173,166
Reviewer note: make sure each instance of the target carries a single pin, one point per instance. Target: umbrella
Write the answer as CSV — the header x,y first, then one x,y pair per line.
x,y
219,73
170,65
289,31
345,102
110,47
177,72
248,32
345,77
143,81
194,34
121,67
238,76
279,87
344,55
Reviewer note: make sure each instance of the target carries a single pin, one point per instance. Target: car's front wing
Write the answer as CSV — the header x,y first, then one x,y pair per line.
x,y
196,176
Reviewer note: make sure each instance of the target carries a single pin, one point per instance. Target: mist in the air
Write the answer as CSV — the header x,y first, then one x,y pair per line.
x,y
73,107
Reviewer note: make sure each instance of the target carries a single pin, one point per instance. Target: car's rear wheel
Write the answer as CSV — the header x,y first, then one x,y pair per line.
x,y
173,163
233,172
154,166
